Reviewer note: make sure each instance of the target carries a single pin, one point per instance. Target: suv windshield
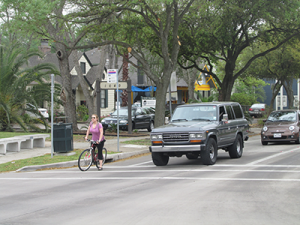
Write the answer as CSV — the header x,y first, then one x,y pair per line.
x,y
283,116
199,112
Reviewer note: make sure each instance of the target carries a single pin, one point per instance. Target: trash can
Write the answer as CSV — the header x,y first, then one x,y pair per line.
x,y
63,137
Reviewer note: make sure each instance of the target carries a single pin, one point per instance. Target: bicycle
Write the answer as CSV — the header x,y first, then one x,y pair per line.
x,y
90,156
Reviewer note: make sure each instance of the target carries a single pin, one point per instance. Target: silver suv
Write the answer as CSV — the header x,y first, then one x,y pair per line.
x,y
200,130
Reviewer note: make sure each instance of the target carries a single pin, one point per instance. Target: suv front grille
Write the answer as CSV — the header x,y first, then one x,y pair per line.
x,y
175,137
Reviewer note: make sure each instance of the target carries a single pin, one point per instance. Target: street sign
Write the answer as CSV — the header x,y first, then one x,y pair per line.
x,y
112,76
121,85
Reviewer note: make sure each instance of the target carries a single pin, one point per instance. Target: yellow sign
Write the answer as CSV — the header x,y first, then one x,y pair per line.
x,y
201,85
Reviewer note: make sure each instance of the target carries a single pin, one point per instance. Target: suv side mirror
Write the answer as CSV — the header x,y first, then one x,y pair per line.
x,y
225,118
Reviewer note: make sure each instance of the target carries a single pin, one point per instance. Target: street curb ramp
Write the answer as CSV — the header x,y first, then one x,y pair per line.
x,y
111,158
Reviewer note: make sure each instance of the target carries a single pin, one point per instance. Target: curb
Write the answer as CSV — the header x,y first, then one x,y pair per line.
x,y
111,158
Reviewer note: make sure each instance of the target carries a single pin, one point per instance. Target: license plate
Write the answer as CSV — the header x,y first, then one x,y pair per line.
x,y
277,135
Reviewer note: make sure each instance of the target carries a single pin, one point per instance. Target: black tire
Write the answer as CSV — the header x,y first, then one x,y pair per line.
x,y
264,142
151,126
192,155
85,160
210,154
236,150
159,159
298,141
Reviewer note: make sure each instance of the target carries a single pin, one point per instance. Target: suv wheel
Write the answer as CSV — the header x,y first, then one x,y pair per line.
x,y
159,159
236,150
209,155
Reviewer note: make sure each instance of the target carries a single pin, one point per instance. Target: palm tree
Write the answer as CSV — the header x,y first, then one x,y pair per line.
x,y
15,78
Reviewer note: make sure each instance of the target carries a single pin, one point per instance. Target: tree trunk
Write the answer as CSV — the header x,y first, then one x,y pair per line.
x,y
226,88
160,109
275,91
288,85
70,107
124,95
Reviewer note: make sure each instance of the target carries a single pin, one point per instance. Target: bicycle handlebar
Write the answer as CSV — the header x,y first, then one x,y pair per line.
x,y
94,142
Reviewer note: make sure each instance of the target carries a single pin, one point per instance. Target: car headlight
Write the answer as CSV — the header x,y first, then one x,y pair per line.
x,y
156,137
265,128
196,135
292,127
103,121
123,121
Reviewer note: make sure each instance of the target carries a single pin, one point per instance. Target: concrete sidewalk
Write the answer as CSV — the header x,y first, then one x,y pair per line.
x,y
125,151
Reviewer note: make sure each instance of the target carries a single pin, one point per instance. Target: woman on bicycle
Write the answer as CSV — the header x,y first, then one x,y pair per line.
x,y
96,129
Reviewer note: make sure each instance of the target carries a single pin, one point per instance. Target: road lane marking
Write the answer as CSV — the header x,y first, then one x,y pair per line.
x,y
141,164
154,178
273,156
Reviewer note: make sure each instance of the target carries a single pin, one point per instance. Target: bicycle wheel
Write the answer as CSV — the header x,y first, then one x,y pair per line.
x,y
85,160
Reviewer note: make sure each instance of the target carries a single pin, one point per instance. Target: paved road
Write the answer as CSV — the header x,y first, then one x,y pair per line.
x,y
260,188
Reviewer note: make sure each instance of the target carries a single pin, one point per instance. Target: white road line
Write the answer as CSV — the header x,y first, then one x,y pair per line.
x,y
154,178
141,164
261,165
273,156
107,170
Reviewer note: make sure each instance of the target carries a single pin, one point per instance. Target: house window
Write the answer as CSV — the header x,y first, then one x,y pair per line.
x,y
104,99
83,68
140,73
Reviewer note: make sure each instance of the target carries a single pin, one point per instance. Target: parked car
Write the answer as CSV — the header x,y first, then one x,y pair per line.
x,y
281,126
257,110
142,118
36,113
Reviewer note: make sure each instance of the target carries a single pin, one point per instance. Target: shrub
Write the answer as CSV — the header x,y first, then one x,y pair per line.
x,y
81,112
243,98
112,128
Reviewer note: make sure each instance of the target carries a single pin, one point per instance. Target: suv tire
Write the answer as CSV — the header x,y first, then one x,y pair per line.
x,y
210,154
236,150
159,159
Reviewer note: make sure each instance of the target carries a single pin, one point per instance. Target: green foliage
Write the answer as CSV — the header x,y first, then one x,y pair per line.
x,y
201,98
26,118
243,98
82,113
85,117
113,128
15,78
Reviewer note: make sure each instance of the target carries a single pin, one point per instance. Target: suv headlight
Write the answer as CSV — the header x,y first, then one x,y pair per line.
x,y
265,128
196,136
156,137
